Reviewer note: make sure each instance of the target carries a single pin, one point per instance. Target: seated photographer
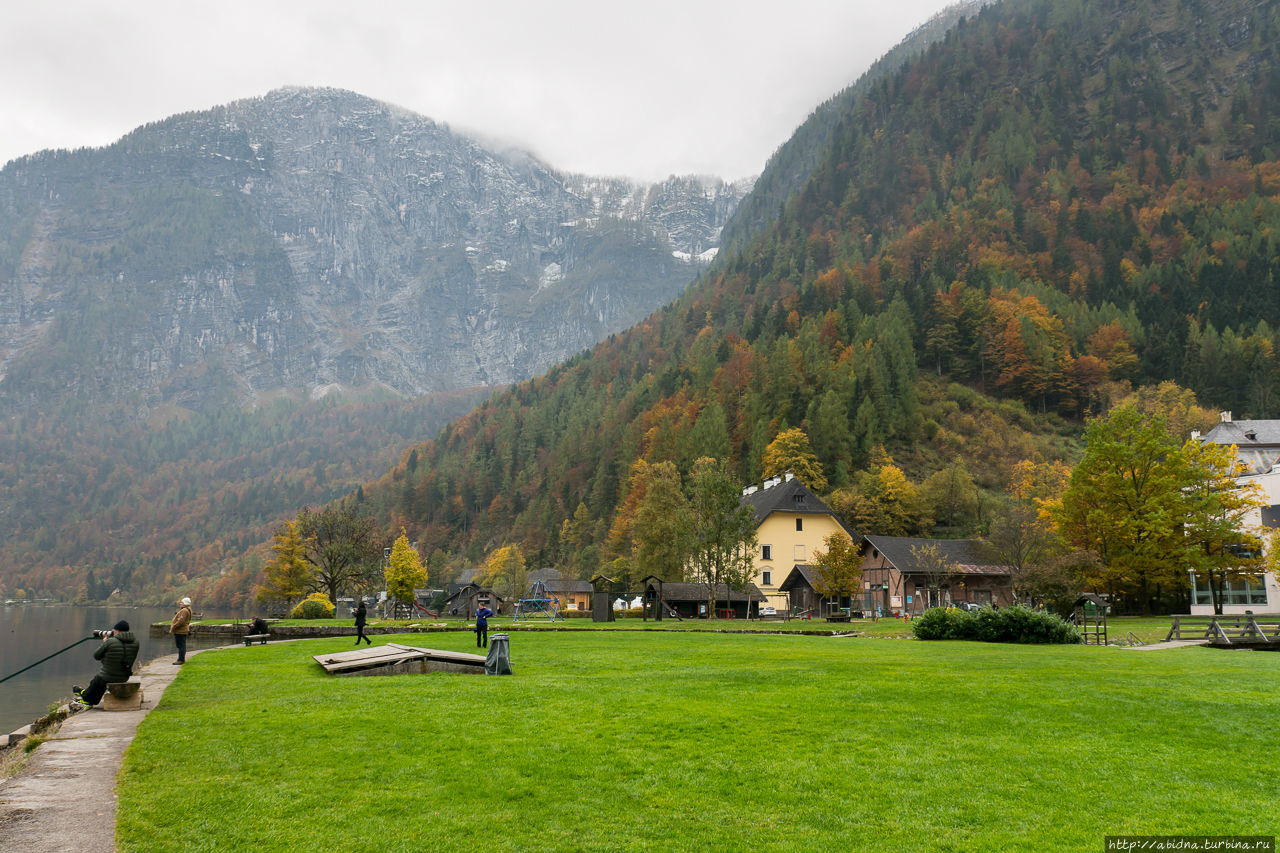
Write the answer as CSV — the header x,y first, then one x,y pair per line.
x,y
118,651
258,626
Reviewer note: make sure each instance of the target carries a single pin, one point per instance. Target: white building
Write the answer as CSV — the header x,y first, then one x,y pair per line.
x,y
1257,445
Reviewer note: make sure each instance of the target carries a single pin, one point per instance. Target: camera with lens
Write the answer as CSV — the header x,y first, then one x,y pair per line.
x,y
102,634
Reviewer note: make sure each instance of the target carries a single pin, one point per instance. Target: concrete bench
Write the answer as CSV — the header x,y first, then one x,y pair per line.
x,y
123,695
261,639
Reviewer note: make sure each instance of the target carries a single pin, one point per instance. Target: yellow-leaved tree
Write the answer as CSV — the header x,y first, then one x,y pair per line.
x,y
504,572
289,574
837,571
791,451
404,571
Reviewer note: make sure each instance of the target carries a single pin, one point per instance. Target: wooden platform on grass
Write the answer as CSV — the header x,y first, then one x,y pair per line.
x,y
395,659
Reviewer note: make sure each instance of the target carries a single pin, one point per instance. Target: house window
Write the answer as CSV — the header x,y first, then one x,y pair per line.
x,y
766,578
1248,589
799,552
799,524
766,552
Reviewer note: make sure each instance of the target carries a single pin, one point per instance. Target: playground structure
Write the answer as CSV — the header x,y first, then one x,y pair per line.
x,y
1090,617
537,603
392,609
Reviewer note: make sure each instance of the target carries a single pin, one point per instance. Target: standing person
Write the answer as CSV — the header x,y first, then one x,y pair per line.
x,y
482,626
180,627
360,619
118,651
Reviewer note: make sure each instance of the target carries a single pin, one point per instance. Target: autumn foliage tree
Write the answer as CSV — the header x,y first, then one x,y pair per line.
x,y
289,574
838,568
341,546
505,572
1152,508
664,522
722,536
404,571
791,451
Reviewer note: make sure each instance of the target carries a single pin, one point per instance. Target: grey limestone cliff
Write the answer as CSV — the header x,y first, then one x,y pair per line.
x,y
313,239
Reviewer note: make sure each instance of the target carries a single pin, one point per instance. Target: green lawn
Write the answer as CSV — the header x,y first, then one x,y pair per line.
x,y
669,740
1126,629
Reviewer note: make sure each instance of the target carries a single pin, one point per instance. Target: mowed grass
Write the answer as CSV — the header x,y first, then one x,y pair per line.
x,y
689,741
1122,629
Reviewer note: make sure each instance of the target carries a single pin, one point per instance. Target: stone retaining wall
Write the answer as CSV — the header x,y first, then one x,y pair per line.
x,y
234,633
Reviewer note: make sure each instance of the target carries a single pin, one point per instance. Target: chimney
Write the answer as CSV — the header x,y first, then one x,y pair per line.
x,y
790,476
1195,435
1225,417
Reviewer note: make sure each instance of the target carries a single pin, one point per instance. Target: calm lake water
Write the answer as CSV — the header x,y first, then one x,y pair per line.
x,y
29,632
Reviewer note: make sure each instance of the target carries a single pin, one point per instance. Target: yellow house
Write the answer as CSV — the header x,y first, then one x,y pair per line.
x,y
791,526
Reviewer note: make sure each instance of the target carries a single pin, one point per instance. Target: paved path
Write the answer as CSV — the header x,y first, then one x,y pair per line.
x,y
1169,644
65,798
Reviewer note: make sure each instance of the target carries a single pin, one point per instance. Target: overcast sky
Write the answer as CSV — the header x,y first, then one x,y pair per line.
x,y
643,89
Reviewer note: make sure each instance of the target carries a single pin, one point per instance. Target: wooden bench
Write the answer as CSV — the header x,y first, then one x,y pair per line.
x,y
261,639
123,695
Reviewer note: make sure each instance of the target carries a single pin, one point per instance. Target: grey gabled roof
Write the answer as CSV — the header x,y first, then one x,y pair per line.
x,y
789,496
468,589
1244,433
964,554
555,582
800,572
1257,442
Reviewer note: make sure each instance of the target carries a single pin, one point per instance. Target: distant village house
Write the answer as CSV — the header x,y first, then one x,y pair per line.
x,y
792,524
1257,446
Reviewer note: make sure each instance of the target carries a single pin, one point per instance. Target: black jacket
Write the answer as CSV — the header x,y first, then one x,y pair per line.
x,y
117,654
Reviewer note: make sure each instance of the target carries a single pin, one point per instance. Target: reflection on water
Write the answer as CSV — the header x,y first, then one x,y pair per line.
x,y
28,633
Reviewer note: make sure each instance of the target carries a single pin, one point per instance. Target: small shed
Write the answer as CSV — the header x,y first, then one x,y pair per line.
x,y
799,587
602,592
469,597
689,600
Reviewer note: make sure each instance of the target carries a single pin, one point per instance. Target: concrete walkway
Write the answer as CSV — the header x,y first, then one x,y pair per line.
x,y
1169,644
65,798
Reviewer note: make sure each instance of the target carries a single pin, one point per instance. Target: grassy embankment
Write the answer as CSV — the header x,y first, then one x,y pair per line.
x,y
687,741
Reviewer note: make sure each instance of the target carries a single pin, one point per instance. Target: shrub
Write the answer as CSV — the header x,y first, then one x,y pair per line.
x,y
314,606
1015,624
933,624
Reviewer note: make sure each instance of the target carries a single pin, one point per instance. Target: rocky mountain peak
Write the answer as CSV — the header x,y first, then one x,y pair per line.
x,y
316,238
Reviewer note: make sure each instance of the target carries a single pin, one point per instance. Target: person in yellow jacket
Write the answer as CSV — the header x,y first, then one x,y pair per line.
x,y
180,627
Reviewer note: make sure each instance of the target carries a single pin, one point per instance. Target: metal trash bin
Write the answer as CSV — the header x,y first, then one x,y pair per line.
x,y
498,661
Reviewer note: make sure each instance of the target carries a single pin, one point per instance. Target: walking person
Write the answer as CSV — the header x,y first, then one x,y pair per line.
x,y
180,627
482,626
360,619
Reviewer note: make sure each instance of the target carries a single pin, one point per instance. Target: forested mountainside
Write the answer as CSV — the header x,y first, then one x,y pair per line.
x,y
1060,200
137,510
790,166
232,313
